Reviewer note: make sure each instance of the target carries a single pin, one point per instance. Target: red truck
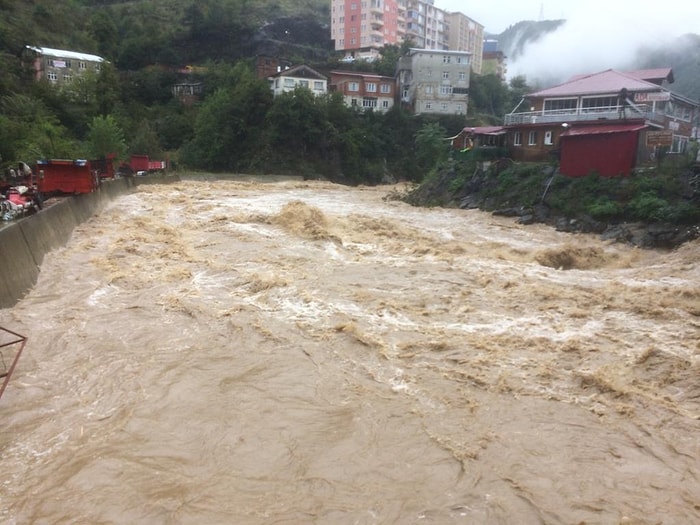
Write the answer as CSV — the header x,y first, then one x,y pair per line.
x,y
58,176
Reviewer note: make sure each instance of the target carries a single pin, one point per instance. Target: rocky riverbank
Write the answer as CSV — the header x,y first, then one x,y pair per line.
x,y
650,210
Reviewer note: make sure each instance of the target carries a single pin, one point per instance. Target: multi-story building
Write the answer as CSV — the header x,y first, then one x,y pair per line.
x,y
361,28
364,90
493,60
58,66
434,81
464,34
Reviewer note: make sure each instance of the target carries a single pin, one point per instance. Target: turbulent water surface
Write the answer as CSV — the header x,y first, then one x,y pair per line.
x,y
291,353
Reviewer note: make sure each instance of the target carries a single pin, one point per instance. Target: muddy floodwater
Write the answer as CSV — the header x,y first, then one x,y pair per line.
x,y
305,353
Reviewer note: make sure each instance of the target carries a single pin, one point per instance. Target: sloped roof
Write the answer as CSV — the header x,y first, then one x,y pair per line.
x,y
655,76
301,71
602,129
62,53
608,81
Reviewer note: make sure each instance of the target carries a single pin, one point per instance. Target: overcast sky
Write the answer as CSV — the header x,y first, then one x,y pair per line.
x,y
598,34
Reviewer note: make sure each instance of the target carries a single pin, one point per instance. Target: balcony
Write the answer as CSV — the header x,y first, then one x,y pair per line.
x,y
584,115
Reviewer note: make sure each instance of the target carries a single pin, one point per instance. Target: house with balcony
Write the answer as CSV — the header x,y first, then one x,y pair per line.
x,y
59,66
608,122
365,91
298,76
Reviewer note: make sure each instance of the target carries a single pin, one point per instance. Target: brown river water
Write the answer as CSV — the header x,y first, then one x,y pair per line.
x,y
305,353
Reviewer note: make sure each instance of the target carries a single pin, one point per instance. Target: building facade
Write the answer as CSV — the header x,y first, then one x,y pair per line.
x,y
301,76
464,34
433,81
365,91
58,66
361,28
608,122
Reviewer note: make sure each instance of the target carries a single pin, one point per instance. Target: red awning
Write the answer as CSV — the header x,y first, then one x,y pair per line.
x,y
601,129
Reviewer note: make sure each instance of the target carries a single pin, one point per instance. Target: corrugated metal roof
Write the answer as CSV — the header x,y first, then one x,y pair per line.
x,y
601,129
486,130
62,53
609,81
652,75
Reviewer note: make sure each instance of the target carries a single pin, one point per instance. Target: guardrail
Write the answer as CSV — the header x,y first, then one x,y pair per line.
x,y
14,343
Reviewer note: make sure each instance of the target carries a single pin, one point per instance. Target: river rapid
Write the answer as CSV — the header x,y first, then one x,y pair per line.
x,y
306,353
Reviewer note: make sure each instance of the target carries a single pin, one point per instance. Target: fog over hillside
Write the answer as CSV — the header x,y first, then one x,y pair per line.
x,y
593,40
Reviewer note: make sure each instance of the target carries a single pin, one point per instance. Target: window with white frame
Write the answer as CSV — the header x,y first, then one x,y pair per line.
x,y
547,138
368,102
445,75
371,87
445,90
446,59
385,88
289,82
532,138
52,76
428,105
318,85
443,106
353,86
518,138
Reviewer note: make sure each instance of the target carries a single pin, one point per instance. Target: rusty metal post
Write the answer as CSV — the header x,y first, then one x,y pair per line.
x,y
14,341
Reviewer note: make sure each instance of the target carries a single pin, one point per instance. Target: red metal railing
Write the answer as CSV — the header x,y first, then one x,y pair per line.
x,y
13,342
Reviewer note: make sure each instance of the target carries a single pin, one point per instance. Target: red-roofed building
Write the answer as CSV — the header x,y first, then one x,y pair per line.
x,y
607,121
364,91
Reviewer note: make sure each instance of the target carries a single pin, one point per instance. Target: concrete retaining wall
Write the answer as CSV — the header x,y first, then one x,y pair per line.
x,y
24,243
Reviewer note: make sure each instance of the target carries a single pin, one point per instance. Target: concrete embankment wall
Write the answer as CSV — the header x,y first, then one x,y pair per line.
x,y
25,242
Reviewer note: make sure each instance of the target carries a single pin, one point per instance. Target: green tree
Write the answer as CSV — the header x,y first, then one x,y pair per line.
x,y
431,147
105,137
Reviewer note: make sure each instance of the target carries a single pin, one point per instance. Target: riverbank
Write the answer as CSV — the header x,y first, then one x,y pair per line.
x,y
648,210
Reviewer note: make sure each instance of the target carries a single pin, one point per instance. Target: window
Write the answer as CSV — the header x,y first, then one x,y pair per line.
x,y
443,106
428,90
52,76
594,104
82,65
289,82
445,75
353,86
547,138
98,66
318,85
445,90
460,109
67,78
446,59
304,83
679,144
518,138
385,104
371,87
369,102
385,88
560,105
532,138
428,106
462,75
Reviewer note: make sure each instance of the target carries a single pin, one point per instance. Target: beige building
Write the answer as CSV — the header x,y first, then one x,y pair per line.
x,y
435,81
464,34
58,66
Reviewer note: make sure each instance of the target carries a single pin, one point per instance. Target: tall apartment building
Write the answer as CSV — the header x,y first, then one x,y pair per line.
x,y
361,28
464,34
434,81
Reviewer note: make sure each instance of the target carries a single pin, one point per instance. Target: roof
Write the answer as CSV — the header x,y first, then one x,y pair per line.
x,y
655,76
608,81
360,74
301,71
486,130
602,129
62,53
